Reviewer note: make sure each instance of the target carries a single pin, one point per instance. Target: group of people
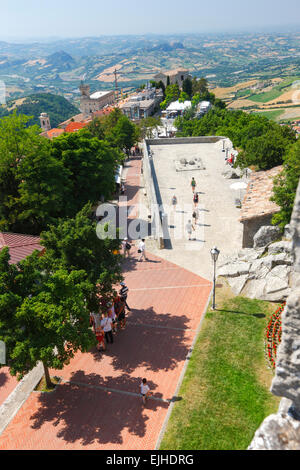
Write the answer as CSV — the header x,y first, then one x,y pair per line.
x,y
106,325
191,225
126,246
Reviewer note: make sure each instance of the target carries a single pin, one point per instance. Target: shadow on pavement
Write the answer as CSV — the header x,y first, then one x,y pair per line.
x,y
3,378
88,415
156,342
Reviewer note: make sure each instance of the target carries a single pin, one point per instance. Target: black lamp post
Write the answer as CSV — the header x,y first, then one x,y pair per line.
x,y
214,256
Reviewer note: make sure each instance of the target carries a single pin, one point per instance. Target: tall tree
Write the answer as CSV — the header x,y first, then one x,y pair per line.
x,y
124,134
73,244
32,183
199,85
172,94
187,87
43,315
91,165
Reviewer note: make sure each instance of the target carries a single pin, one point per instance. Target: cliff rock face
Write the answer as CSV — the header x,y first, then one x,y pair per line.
x,y
281,431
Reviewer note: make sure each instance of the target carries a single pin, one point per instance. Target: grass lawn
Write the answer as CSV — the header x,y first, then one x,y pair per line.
x,y
225,392
272,115
267,96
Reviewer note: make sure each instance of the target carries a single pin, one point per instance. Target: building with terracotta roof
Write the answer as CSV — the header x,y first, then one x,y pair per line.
x,y
103,112
77,118
55,132
257,209
20,246
75,126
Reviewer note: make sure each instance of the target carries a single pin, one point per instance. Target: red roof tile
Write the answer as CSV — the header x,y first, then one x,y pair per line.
x,y
54,133
75,126
19,245
103,112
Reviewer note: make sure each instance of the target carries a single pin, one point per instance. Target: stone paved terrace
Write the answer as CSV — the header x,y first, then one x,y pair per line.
x,y
218,224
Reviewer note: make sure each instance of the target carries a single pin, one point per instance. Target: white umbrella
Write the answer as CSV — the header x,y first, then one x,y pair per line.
x,y
239,186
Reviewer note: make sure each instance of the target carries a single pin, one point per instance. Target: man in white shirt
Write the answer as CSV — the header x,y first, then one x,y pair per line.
x,y
189,228
141,250
145,390
106,324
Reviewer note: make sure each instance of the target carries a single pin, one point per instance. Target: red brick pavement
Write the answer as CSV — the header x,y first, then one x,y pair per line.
x,y
7,384
97,406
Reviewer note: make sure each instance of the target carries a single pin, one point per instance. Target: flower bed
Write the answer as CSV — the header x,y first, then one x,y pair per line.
x,y
273,336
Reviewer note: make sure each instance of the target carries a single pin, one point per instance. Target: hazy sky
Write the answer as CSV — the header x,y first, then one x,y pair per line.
x,y
76,18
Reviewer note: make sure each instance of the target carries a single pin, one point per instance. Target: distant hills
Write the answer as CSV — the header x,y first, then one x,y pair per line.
x,y
58,108
58,66
61,59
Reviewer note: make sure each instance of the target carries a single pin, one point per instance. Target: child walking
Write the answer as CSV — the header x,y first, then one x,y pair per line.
x,y
145,391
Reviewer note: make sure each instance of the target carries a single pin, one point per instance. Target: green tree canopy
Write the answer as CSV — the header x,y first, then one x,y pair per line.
x,y
32,183
91,165
187,87
285,185
262,143
74,245
43,315
199,85
172,94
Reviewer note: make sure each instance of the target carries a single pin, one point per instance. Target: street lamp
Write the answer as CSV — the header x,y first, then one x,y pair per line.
x,y
223,150
214,256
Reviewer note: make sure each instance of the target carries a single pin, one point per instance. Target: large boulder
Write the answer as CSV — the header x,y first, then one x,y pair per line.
x,y
249,254
274,260
255,289
275,283
266,235
259,269
280,247
229,173
237,283
234,269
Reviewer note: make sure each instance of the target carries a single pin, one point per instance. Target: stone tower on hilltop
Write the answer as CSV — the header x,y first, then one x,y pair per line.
x,y
45,122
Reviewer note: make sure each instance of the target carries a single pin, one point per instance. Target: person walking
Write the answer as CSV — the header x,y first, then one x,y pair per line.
x,y
126,247
106,324
174,202
141,250
193,184
145,391
189,228
120,311
196,199
124,293
113,316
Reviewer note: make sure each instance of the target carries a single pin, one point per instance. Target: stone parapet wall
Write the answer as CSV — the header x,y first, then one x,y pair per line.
x,y
185,140
152,197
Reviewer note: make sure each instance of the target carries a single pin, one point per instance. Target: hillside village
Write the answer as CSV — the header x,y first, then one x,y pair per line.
x,y
198,198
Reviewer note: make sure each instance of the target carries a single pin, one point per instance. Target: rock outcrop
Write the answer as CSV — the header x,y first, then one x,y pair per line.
x,y
263,272
266,235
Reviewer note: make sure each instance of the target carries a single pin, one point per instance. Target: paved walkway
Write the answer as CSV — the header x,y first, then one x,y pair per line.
x,y
7,384
97,405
